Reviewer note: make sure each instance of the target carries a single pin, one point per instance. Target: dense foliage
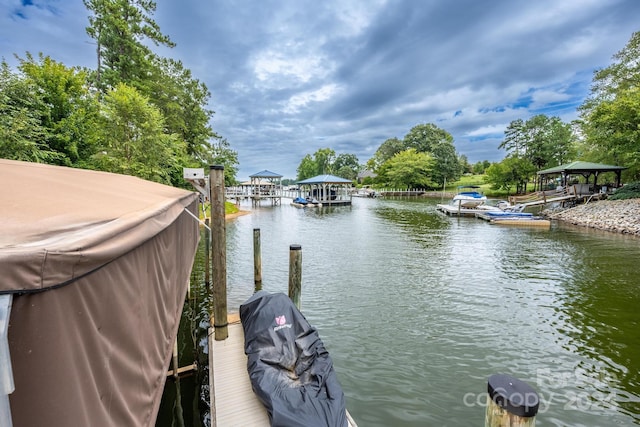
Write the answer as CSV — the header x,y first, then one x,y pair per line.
x,y
136,113
610,117
436,160
324,161
532,145
628,191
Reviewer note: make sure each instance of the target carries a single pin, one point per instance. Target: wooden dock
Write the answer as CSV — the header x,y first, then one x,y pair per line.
x,y
544,197
522,222
460,211
233,402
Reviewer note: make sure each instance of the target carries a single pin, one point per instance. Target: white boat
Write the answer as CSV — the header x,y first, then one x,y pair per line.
x,y
469,199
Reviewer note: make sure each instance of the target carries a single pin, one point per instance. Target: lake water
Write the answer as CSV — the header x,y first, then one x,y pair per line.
x,y
418,309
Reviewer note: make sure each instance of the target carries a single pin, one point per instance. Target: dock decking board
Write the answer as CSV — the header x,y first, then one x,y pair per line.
x,y
233,402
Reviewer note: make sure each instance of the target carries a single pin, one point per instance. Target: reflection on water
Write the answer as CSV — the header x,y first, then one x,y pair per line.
x,y
418,309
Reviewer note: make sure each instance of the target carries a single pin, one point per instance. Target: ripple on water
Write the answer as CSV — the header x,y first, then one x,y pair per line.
x,y
418,309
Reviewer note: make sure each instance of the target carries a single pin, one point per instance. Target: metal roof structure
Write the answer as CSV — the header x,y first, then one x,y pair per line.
x,y
265,174
325,179
581,167
586,169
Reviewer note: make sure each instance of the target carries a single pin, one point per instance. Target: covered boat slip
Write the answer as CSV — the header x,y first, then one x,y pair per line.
x,y
98,267
328,190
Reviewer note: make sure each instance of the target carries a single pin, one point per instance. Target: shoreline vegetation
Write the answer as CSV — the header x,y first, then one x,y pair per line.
x,y
616,216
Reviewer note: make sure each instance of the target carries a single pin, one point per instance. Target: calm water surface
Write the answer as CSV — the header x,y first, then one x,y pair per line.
x,y
418,309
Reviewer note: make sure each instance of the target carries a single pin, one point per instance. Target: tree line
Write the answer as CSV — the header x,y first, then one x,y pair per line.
x,y
142,114
607,131
136,113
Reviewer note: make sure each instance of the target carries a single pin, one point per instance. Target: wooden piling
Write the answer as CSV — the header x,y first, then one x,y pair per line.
x,y
218,252
175,359
295,273
512,402
257,260
207,254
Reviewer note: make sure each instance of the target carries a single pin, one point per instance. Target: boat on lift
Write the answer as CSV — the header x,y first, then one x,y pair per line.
x,y
469,197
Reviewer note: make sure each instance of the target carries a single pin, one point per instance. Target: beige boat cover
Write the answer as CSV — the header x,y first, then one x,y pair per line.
x,y
99,265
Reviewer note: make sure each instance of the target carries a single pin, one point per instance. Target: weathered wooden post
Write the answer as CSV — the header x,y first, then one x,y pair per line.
x,y
257,260
218,252
512,402
295,273
207,253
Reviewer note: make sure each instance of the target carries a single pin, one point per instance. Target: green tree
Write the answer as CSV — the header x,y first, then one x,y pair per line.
x,y
540,142
324,158
346,166
446,162
132,139
183,101
510,172
124,31
407,169
429,138
21,132
307,168
70,111
548,141
480,167
614,127
224,155
424,138
386,151
464,164
621,75
515,139
609,119
119,28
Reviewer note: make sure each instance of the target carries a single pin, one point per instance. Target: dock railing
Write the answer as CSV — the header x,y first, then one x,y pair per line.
x,y
544,197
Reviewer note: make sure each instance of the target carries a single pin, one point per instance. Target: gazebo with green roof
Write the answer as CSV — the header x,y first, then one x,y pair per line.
x,y
585,169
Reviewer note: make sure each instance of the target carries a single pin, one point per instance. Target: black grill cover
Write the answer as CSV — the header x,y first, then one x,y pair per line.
x,y
291,372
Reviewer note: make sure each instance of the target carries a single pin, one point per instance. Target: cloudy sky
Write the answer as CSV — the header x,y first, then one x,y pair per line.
x,y
289,77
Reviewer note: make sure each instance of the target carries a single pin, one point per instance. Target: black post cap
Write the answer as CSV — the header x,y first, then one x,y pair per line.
x,y
216,167
295,247
513,395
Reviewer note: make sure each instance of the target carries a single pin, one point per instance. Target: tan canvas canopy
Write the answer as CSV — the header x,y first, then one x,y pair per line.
x,y
98,265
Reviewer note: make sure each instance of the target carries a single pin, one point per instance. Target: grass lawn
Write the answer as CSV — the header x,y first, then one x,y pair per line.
x,y
229,208
479,181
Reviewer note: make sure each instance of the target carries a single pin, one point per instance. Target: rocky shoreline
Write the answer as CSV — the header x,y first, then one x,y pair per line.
x,y
618,216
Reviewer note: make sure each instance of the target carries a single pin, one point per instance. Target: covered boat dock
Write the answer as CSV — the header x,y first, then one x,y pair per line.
x,y
586,170
330,190
265,185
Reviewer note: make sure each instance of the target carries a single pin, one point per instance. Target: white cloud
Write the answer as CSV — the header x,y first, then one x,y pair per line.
x,y
303,99
290,76
484,131
275,66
